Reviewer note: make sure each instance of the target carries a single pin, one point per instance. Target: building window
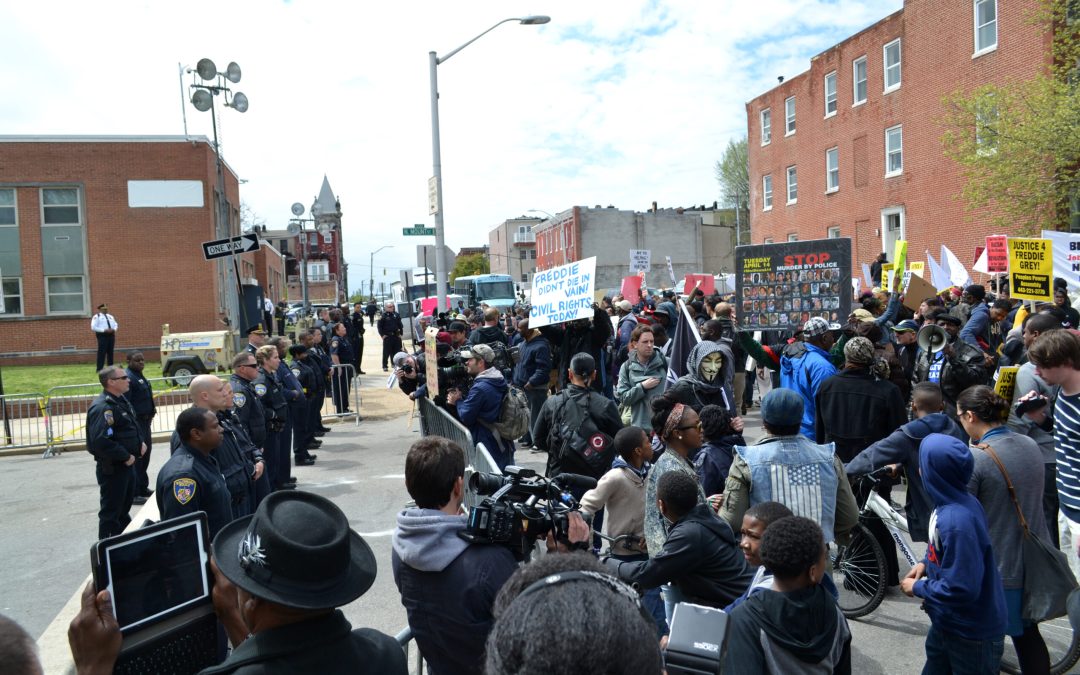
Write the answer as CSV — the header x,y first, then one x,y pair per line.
x,y
523,254
834,232
894,151
10,256
789,116
892,65
532,253
318,271
986,122
60,207
766,193
830,94
792,185
64,295
768,240
892,227
12,288
63,251
832,169
766,126
985,26
792,236
858,78
525,278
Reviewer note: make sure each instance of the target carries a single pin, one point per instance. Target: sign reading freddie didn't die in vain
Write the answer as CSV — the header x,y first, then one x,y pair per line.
x,y
782,286
563,293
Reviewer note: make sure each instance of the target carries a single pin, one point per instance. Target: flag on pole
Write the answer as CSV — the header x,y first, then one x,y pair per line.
x,y
685,337
958,275
939,278
982,264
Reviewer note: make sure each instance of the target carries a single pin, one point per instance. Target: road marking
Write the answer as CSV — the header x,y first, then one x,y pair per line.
x,y
342,481
382,533
398,476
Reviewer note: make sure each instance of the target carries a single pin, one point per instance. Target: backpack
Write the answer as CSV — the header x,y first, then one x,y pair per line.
x,y
513,420
583,447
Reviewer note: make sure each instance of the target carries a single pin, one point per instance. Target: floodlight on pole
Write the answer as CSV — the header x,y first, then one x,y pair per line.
x,y
434,60
206,69
232,72
202,100
239,102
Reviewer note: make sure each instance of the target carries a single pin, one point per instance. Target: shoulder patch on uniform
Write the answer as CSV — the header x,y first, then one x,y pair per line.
x,y
239,399
260,389
296,372
184,490
108,417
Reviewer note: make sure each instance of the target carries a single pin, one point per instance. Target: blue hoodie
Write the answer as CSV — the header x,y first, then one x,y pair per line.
x,y
962,591
483,404
804,370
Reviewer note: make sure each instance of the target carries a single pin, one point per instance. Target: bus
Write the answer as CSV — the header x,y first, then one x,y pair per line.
x,y
497,290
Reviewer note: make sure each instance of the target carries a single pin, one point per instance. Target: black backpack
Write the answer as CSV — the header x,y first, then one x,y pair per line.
x,y
583,447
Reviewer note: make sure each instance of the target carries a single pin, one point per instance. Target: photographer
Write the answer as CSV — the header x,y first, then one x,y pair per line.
x,y
411,374
447,585
480,407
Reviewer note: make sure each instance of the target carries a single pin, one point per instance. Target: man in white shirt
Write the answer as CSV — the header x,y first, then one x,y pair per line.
x,y
104,326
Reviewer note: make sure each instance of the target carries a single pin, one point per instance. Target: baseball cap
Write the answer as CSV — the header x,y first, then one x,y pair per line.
x,y
457,327
905,325
782,408
624,305
483,352
862,315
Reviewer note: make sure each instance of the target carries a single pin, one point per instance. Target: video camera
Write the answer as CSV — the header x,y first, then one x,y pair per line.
x,y
513,514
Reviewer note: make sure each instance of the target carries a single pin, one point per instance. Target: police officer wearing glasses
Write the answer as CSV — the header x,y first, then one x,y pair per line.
x,y
115,440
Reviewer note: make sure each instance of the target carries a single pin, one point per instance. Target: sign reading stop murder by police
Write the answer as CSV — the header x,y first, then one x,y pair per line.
x,y
1031,269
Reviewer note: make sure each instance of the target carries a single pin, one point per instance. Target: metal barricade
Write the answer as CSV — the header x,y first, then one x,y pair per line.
x,y
404,639
434,421
23,421
343,383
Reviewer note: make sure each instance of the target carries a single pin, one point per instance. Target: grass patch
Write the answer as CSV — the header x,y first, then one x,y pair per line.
x,y
39,379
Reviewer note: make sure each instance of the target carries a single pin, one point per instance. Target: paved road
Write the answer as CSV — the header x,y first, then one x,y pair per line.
x,y
50,509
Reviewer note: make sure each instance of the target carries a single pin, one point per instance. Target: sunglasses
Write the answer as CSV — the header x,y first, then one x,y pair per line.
x,y
122,377
247,365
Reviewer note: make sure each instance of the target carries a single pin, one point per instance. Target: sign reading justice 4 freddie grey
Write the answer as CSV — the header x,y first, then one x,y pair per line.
x,y
1031,269
781,286
563,293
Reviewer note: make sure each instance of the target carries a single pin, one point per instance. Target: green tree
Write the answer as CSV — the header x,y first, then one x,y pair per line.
x,y
733,175
1018,143
476,263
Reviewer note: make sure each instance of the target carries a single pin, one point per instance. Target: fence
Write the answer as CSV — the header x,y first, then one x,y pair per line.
x,y
344,384
23,421
434,421
404,639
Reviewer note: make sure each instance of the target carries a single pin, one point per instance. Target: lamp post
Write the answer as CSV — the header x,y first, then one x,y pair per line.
x,y
296,228
213,84
436,156
371,268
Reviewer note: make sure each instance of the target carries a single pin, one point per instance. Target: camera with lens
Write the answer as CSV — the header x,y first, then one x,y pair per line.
x,y
407,369
521,507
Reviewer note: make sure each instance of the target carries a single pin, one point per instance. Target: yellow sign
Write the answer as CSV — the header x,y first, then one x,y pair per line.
x,y
899,258
1005,384
917,268
1031,269
887,275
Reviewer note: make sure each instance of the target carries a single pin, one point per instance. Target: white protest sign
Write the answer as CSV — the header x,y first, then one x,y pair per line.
x,y
670,269
563,293
640,261
1066,256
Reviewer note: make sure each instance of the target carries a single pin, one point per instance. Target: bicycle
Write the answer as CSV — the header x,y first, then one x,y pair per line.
x,y
859,573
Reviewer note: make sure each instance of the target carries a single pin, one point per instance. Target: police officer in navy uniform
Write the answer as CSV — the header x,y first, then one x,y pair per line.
x,y
356,335
141,397
256,338
293,394
302,435
250,413
390,329
320,362
341,378
114,439
192,479
268,388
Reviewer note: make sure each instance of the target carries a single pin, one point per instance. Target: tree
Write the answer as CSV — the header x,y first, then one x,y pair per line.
x,y
1018,143
475,263
249,220
733,174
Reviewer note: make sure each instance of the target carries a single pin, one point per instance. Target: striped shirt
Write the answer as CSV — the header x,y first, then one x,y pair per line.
x,y
1067,447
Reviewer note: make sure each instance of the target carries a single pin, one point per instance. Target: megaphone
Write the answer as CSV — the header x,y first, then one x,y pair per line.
x,y
932,338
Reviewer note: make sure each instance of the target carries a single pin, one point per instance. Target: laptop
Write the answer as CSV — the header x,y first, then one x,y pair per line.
x,y
159,580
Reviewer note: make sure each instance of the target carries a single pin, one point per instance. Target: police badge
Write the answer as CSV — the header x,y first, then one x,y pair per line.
x,y
183,489
239,399
108,417
260,389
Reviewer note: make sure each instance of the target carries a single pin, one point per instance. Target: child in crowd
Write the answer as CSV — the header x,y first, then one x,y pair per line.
x,y
714,460
621,492
797,627
754,523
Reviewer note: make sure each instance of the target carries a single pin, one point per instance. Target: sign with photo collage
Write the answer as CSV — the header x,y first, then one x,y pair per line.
x,y
781,286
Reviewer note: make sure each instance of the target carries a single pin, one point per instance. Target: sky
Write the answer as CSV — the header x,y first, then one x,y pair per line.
x,y
611,103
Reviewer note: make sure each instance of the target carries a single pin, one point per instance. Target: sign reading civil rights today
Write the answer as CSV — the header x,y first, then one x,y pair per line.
x,y
563,293
781,286
1031,269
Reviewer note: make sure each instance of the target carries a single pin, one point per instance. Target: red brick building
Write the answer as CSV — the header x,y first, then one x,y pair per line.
x,y
117,220
853,147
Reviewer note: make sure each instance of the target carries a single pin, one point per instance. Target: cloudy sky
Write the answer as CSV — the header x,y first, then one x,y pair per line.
x,y
613,102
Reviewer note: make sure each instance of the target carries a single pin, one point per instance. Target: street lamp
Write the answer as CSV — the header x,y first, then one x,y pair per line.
x,y
433,66
213,84
371,268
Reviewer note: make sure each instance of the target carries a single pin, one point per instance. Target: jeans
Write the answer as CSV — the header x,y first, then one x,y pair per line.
x,y
948,653
651,600
672,596
536,397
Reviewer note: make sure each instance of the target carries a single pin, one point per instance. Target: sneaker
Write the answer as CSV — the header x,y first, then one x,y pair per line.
x,y
536,451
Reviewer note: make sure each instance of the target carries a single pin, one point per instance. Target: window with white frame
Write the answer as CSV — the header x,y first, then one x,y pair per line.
x,y
10,256
892,65
766,193
766,126
985,25
532,253
792,236
768,240
789,116
830,94
524,277
318,271
832,169
834,232
12,289
792,185
63,251
986,128
858,79
894,151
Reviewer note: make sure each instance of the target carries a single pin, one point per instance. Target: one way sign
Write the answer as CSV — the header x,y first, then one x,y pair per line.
x,y
225,247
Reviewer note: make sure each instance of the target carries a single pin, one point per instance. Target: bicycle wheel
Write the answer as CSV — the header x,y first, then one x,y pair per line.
x,y
1062,643
858,570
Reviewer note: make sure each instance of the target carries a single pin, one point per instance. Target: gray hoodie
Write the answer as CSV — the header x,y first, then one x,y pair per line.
x,y
427,539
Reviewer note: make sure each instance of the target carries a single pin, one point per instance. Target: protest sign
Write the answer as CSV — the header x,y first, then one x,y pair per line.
x,y
563,293
887,275
918,289
917,269
1066,256
703,281
431,361
1005,382
640,261
670,269
866,276
781,286
899,259
855,287
1031,269
428,306
631,289
997,254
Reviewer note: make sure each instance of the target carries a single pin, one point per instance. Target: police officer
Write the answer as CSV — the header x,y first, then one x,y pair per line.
x,y
192,479
302,436
141,397
256,338
341,377
356,335
247,392
320,362
114,439
277,414
294,399
390,329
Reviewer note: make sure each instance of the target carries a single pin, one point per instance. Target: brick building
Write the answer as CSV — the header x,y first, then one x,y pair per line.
x,y
853,147
117,220
327,271
512,249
